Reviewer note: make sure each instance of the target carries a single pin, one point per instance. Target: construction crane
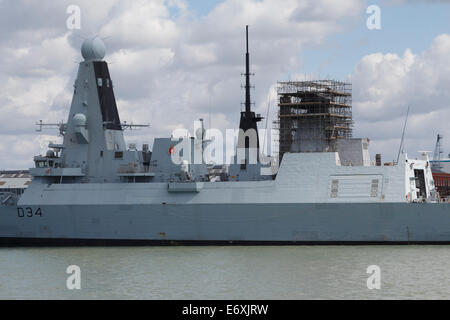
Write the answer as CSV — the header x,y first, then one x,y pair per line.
x,y
436,164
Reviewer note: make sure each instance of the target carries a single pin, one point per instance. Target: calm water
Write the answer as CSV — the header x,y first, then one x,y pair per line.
x,y
302,272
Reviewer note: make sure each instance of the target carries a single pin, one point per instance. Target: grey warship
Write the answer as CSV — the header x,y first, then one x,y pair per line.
x,y
94,190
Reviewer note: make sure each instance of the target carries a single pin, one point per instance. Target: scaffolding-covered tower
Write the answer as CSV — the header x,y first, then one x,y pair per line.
x,y
313,115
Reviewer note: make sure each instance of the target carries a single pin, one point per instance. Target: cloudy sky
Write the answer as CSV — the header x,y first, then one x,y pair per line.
x,y
175,61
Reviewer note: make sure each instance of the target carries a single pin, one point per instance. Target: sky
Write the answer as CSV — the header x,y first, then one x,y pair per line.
x,y
175,61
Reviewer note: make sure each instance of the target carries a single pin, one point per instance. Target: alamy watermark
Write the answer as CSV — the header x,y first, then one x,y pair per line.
x,y
73,281
74,20
231,146
374,280
374,20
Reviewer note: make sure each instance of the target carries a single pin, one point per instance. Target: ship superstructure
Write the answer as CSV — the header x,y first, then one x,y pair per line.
x,y
93,189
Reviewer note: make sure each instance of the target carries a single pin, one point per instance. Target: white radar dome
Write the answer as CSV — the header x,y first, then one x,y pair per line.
x,y
93,49
79,120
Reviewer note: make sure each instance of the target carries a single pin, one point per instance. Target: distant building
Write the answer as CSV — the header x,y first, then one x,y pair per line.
x,y
442,184
14,181
313,115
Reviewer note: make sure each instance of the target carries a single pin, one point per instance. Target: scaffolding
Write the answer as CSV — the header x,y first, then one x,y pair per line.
x,y
313,115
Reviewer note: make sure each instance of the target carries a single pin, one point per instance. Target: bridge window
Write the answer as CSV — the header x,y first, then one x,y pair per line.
x,y
40,164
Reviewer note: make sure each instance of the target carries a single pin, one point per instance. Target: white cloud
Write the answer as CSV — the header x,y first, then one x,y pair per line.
x,y
169,67
384,85
140,24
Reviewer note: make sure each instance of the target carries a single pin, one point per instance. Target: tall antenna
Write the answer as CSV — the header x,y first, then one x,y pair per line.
x,y
247,76
267,119
209,111
400,149
249,119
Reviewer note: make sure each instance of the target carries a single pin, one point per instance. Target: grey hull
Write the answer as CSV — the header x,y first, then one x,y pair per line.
x,y
228,223
94,189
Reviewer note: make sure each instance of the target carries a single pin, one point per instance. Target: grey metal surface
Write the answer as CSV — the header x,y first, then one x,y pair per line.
x,y
93,187
235,222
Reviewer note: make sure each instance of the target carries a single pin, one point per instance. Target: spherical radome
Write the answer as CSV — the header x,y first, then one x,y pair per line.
x,y
79,119
93,49
50,154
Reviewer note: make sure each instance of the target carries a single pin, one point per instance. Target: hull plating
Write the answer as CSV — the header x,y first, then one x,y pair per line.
x,y
227,223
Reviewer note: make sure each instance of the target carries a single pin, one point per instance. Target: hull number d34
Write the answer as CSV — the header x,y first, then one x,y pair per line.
x,y
28,212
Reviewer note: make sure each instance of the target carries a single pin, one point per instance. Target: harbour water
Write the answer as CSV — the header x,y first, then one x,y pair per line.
x,y
241,272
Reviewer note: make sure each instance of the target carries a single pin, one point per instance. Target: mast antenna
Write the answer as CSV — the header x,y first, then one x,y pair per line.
x,y
247,75
400,149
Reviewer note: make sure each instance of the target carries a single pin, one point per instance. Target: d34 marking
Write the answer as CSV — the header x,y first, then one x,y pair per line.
x,y
28,212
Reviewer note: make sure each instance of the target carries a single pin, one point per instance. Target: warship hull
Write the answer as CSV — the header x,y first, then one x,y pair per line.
x,y
93,190
298,207
222,224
